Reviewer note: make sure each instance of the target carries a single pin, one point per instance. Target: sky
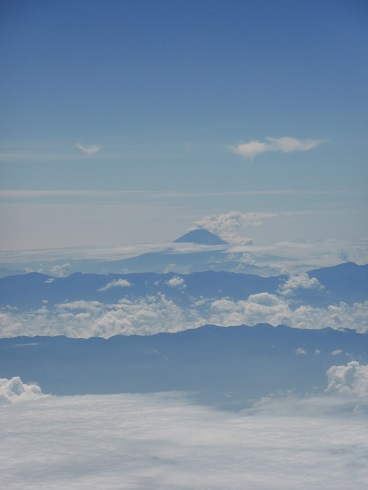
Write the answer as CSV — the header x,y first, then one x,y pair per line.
x,y
125,122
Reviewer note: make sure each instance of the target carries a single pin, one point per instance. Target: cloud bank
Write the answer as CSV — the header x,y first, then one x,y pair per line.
x,y
283,145
155,314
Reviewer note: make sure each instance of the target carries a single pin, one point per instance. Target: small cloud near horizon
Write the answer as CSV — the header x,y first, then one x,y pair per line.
x,y
283,145
88,150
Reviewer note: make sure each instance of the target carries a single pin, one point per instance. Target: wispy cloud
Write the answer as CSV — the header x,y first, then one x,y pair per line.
x,y
88,150
228,224
286,144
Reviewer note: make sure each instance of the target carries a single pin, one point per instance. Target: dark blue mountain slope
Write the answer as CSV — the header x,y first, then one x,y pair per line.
x,y
344,282
23,291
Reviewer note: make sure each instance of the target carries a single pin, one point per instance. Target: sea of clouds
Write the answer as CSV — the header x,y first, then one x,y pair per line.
x,y
162,440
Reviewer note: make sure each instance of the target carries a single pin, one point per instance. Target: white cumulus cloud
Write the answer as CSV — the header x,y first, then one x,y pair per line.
x,y
284,145
299,281
351,379
84,319
14,390
175,282
60,270
257,308
269,308
118,283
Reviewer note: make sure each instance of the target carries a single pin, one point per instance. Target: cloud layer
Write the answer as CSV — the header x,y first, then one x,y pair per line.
x,y
283,145
163,441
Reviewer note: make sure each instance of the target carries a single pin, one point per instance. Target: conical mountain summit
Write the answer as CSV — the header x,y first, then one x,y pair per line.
x,y
200,237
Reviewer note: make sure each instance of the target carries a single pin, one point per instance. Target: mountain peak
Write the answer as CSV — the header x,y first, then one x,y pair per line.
x,y
200,237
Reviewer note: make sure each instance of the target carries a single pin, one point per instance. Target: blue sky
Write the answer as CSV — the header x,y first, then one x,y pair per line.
x,y
163,110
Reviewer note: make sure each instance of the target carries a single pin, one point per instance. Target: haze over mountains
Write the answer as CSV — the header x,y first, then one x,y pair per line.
x,y
197,250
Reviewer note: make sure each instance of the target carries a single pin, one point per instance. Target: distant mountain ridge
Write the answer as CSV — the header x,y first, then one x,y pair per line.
x,y
221,365
344,282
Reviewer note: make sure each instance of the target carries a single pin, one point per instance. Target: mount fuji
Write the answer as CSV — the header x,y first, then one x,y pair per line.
x,y
201,237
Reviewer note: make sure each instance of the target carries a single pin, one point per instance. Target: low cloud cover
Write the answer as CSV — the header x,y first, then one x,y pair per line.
x,y
163,441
